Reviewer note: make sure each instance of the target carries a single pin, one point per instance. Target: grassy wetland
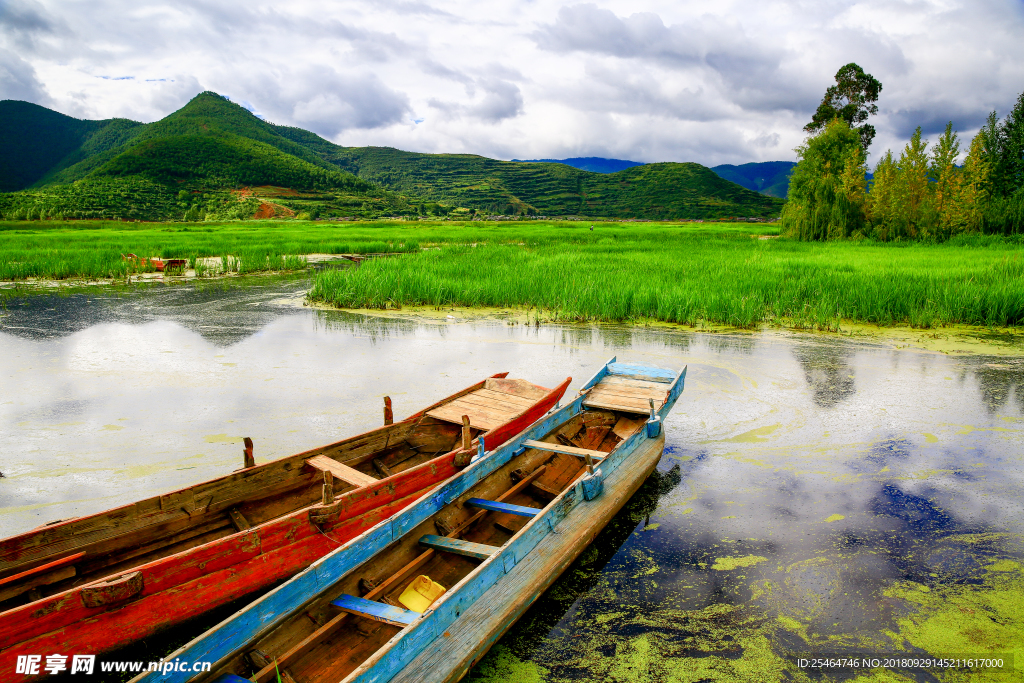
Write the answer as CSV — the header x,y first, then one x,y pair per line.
x,y
699,274
734,274
62,250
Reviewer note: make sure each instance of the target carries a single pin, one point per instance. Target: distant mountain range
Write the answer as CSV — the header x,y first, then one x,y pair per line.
x,y
213,158
592,164
767,177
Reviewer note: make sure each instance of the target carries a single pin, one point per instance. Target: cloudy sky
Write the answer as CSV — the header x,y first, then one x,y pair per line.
x,y
723,82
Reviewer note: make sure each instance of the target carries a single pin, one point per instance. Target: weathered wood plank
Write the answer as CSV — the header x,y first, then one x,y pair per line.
x,y
483,406
489,404
626,427
633,402
433,436
457,546
238,520
593,436
643,393
478,417
515,387
630,407
568,450
630,393
343,472
510,400
24,585
368,609
498,506
42,569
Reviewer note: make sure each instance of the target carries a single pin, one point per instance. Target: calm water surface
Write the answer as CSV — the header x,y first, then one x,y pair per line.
x,y
817,495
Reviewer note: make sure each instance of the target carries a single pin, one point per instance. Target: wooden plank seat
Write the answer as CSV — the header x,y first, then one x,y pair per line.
x,y
347,474
457,546
627,394
498,402
496,506
567,450
377,611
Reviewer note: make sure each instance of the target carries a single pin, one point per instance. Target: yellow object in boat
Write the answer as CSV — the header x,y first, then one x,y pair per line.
x,y
421,594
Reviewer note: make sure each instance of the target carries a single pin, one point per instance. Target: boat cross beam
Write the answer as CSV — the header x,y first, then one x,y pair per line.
x,y
567,450
377,611
496,506
457,546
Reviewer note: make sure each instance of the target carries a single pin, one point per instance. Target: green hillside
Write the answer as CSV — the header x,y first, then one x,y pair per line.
x,y
201,161
34,140
215,159
767,177
656,191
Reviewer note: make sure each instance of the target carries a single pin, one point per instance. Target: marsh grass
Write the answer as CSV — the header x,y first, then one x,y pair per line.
x,y
92,249
699,278
694,274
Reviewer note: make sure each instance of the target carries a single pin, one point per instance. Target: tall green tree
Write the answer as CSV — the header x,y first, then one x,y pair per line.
x,y
851,99
827,186
945,187
964,206
1009,175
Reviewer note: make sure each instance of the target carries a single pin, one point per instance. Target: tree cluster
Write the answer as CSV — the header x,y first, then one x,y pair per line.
x,y
923,193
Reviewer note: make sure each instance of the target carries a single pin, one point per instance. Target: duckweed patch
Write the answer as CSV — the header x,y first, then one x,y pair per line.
x,y
963,619
724,564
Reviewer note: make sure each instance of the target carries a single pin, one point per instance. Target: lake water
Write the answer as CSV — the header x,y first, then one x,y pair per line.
x,y
817,495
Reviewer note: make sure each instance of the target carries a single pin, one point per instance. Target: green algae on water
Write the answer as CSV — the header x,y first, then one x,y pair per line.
x,y
728,563
501,666
966,620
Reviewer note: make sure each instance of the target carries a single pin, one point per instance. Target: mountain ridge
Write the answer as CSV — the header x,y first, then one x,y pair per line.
x,y
214,146
592,164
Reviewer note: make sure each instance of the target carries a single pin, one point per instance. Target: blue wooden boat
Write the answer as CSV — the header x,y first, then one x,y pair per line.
x,y
493,538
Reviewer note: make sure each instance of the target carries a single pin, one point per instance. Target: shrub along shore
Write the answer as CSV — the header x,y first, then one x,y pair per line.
x,y
685,273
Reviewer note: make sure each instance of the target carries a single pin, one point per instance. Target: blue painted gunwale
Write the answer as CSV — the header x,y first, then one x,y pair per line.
x,y
258,618
408,643
497,506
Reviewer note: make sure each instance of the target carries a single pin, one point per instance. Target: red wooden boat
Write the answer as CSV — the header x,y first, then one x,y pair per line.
x,y
161,264
89,585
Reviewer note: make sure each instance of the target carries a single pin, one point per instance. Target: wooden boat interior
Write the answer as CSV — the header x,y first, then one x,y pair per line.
x,y
70,553
336,631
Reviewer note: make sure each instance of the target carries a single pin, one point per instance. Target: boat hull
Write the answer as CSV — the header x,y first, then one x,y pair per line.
x,y
467,640
186,585
339,620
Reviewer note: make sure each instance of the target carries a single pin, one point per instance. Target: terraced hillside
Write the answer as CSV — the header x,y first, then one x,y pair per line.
x,y
656,191
767,177
215,159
